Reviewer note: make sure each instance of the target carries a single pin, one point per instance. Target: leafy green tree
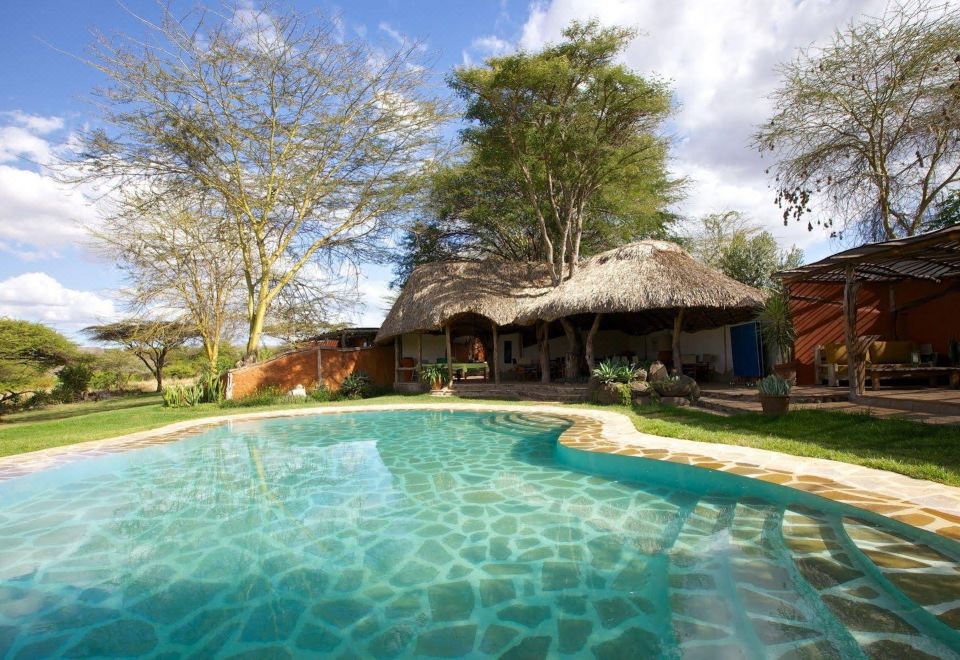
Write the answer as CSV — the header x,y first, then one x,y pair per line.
x,y
574,133
729,242
867,128
947,214
28,353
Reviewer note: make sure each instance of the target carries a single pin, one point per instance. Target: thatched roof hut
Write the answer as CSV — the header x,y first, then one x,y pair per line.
x,y
647,281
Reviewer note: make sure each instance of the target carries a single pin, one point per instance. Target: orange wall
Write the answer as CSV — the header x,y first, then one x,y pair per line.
x,y
300,368
817,310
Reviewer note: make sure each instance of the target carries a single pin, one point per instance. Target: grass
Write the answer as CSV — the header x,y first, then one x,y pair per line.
x,y
917,450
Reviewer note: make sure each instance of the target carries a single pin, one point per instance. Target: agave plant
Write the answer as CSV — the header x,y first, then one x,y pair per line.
x,y
615,371
776,324
434,374
774,385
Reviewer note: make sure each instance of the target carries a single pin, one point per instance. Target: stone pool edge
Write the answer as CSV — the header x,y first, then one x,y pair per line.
x,y
924,504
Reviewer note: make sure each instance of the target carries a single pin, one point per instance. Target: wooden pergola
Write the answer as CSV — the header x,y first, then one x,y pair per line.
x,y
933,257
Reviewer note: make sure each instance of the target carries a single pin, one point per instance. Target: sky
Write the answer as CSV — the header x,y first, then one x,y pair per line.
x,y
720,58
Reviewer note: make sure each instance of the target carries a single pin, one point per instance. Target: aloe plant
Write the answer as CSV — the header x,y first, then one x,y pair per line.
x,y
434,374
774,385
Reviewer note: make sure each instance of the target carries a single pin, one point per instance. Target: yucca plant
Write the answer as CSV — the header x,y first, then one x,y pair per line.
x,y
435,374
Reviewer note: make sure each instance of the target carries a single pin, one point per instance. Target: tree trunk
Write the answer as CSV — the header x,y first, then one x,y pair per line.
x,y
588,347
677,326
256,330
543,334
496,355
449,355
572,362
856,370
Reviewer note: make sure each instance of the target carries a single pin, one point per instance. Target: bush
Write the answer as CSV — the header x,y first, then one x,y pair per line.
x,y
265,396
207,389
322,394
356,386
72,381
114,381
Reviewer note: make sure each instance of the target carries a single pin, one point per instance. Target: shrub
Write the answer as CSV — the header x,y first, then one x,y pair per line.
x,y
207,389
433,374
322,394
265,396
72,381
115,381
355,386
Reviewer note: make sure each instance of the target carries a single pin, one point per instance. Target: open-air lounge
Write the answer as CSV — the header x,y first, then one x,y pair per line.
x,y
884,313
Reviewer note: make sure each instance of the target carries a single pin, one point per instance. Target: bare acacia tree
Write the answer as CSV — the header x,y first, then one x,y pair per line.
x,y
868,127
311,142
177,254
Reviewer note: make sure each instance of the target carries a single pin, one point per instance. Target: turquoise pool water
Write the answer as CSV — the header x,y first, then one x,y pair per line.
x,y
448,534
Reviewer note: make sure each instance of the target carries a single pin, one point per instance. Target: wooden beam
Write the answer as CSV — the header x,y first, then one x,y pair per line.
x,y
496,355
856,372
677,327
449,355
419,350
396,360
588,344
543,334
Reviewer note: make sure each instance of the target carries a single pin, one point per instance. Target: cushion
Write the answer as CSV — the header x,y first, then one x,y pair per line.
x,y
834,354
891,352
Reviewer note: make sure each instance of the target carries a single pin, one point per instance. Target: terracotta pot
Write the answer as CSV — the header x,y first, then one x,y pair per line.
x,y
774,405
787,371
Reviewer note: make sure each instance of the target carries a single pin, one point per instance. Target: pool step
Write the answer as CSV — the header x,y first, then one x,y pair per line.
x,y
520,391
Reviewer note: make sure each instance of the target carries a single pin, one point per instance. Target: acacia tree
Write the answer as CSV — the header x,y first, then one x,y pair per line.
x,y
151,341
177,254
731,243
311,142
868,127
28,352
570,127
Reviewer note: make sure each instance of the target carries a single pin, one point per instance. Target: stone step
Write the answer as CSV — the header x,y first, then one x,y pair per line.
x,y
750,394
726,406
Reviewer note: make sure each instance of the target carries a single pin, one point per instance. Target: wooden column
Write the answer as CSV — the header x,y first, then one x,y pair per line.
x,y
449,355
419,350
543,334
396,360
496,355
677,326
856,369
588,347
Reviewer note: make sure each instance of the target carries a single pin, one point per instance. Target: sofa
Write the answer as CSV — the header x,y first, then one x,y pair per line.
x,y
830,360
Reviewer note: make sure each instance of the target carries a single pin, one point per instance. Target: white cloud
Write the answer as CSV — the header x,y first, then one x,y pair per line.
x,y
35,123
38,215
39,297
721,60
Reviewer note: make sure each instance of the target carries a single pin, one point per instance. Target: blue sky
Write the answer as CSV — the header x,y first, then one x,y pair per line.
x,y
720,59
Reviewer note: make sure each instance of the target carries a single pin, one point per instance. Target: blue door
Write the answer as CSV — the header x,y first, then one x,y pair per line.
x,y
745,345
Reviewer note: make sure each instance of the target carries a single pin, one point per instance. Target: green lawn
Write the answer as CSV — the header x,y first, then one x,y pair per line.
x,y
918,450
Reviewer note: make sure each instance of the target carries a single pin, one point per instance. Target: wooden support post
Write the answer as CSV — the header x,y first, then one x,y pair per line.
x,y
496,355
419,350
856,369
588,348
396,359
449,355
677,326
543,334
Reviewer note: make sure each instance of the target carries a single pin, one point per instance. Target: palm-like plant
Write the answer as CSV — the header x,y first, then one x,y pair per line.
x,y
776,324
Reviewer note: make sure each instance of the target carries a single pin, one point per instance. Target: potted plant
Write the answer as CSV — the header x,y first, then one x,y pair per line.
x,y
435,374
774,393
777,328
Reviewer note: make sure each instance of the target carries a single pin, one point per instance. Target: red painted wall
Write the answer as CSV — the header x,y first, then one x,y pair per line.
x,y
817,310
300,368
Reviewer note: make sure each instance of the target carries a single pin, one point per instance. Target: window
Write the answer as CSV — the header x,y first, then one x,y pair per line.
x,y
508,351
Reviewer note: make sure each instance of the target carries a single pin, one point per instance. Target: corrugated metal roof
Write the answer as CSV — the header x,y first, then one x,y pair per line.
x,y
934,256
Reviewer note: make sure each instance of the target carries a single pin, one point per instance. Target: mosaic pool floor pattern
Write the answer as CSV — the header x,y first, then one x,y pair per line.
x,y
446,534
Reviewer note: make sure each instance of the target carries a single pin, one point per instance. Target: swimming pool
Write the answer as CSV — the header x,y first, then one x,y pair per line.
x,y
438,533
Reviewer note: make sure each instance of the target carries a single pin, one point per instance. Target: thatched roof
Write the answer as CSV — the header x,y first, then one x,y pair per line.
x,y
652,278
